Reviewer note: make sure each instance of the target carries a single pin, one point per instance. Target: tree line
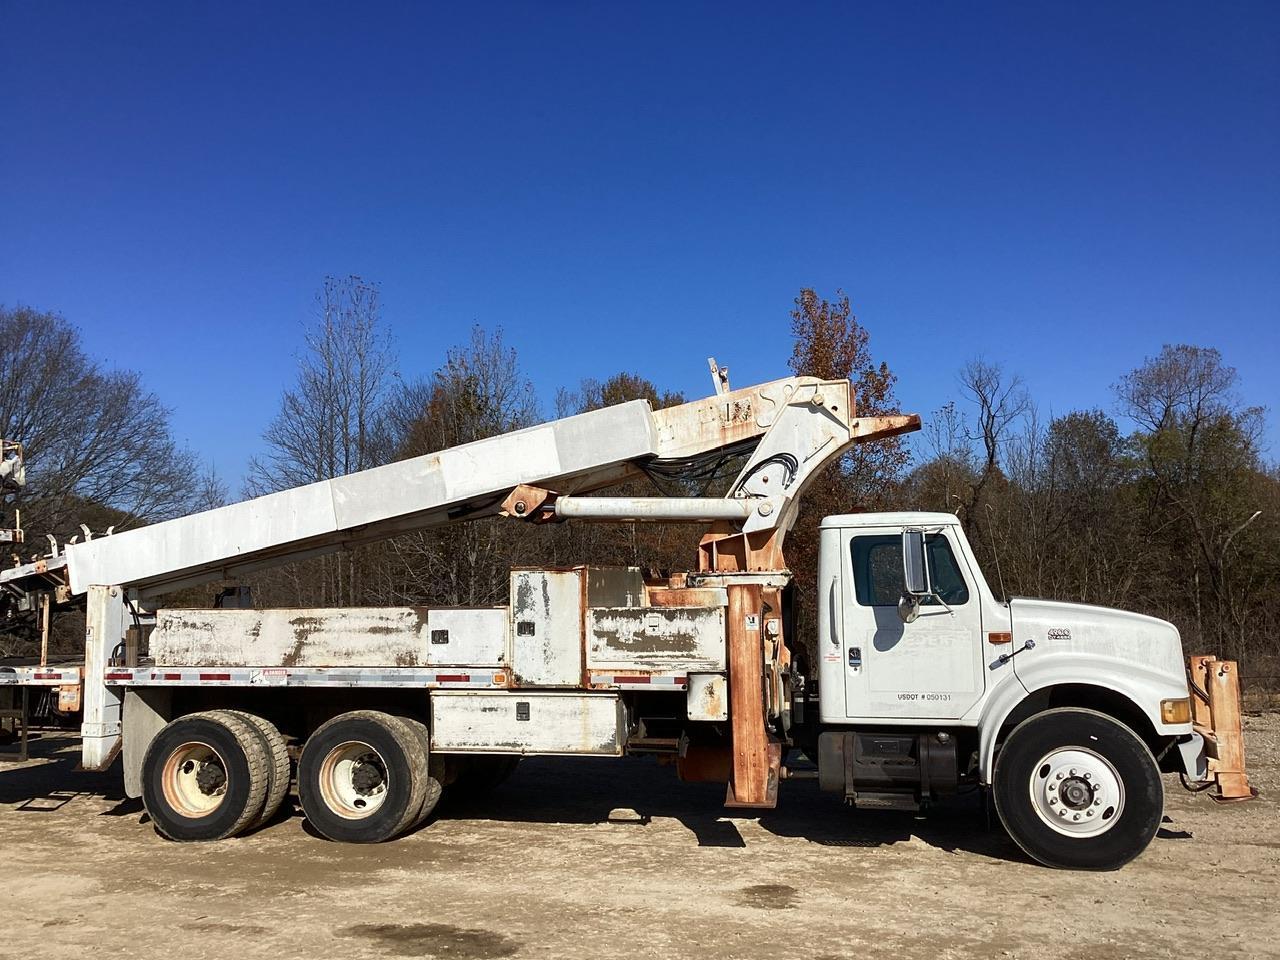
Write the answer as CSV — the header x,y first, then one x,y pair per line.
x,y
1161,503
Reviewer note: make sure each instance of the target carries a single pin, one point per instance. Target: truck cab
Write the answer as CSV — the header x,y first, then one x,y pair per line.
x,y
927,680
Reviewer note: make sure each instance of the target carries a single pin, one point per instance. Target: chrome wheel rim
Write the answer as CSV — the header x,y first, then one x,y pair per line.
x,y
1077,792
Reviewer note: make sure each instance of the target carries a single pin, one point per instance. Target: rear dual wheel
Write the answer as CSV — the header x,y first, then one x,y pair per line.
x,y
206,776
364,777
279,766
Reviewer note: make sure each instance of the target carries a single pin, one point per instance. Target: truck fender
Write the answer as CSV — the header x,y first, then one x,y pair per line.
x,y
146,711
1142,688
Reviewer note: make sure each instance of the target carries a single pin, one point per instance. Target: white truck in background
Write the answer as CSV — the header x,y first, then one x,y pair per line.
x,y
925,682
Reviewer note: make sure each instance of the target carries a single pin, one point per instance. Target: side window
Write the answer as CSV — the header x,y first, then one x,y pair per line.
x,y
877,570
947,579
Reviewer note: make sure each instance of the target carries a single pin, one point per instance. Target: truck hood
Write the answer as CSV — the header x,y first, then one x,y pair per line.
x,y
1098,632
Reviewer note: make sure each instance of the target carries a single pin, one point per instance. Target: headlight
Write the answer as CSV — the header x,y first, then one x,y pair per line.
x,y
1175,711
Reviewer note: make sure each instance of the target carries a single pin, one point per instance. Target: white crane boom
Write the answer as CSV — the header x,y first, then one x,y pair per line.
x,y
795,425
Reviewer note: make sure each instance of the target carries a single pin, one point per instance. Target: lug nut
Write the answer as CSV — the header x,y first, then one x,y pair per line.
x,y
1089,813
1073,771
1087,776
1060,774
1076,817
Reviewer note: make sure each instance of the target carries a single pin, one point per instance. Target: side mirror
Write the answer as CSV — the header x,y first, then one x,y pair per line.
x,y
908,607
915,566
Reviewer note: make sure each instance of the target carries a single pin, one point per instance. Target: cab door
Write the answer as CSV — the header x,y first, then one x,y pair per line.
x,y
930,668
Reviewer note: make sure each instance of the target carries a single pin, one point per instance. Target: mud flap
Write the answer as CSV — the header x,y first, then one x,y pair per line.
x,y
1195,760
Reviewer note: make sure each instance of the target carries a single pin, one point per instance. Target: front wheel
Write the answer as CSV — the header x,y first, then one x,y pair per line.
x,y
1077,789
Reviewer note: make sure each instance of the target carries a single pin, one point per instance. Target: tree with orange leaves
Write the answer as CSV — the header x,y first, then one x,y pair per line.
x,y
830,343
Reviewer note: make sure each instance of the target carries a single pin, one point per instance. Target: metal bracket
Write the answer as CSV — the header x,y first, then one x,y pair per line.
x,y
719,376
109,729
1006,657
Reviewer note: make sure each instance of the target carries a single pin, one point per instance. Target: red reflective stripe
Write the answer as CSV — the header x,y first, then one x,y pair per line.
x,y
119,676
453,678
215,676
679,680
632,679
46,676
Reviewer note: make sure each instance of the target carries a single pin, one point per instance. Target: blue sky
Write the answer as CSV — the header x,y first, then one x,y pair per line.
x,y
1058,187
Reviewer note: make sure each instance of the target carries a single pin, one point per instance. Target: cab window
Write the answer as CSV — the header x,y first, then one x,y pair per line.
x,y
877,570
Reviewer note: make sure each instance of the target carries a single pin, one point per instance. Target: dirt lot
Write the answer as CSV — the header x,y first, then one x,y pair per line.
x,y
539,871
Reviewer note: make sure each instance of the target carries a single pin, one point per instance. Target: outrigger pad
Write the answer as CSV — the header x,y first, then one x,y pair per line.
x,y
767,792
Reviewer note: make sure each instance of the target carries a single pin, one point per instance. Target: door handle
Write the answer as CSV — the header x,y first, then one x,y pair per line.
x,y
855,657
834,612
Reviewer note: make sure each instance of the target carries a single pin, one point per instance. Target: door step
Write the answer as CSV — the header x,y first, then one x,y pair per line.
x,y
884,801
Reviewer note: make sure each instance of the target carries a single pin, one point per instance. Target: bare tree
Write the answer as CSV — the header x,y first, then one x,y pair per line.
x,y
1180,518
1000,401
943,481
592,394
657,547
99,446
211,490
332,421
1201,468
478,392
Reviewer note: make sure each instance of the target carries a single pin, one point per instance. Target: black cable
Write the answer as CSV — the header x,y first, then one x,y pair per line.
x,y
789,463
702,470
1186,785
137,622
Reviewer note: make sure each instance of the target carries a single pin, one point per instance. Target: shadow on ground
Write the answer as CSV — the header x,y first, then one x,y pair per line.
x,y
579,790
52,778
573,790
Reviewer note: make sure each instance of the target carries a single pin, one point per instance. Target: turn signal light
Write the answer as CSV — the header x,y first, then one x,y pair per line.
x,y
1175,711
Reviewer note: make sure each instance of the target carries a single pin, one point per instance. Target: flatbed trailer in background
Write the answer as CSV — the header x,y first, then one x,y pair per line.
x,y
926,683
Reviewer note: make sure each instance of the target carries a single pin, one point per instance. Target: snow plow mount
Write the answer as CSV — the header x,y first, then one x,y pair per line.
x,y
1216,716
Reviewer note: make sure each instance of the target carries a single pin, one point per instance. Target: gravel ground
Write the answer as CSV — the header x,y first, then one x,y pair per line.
x,y
537,870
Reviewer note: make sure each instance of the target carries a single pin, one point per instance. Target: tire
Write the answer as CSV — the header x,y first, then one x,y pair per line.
x,y
1078,790
434,787
205,777
279,768
362,777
